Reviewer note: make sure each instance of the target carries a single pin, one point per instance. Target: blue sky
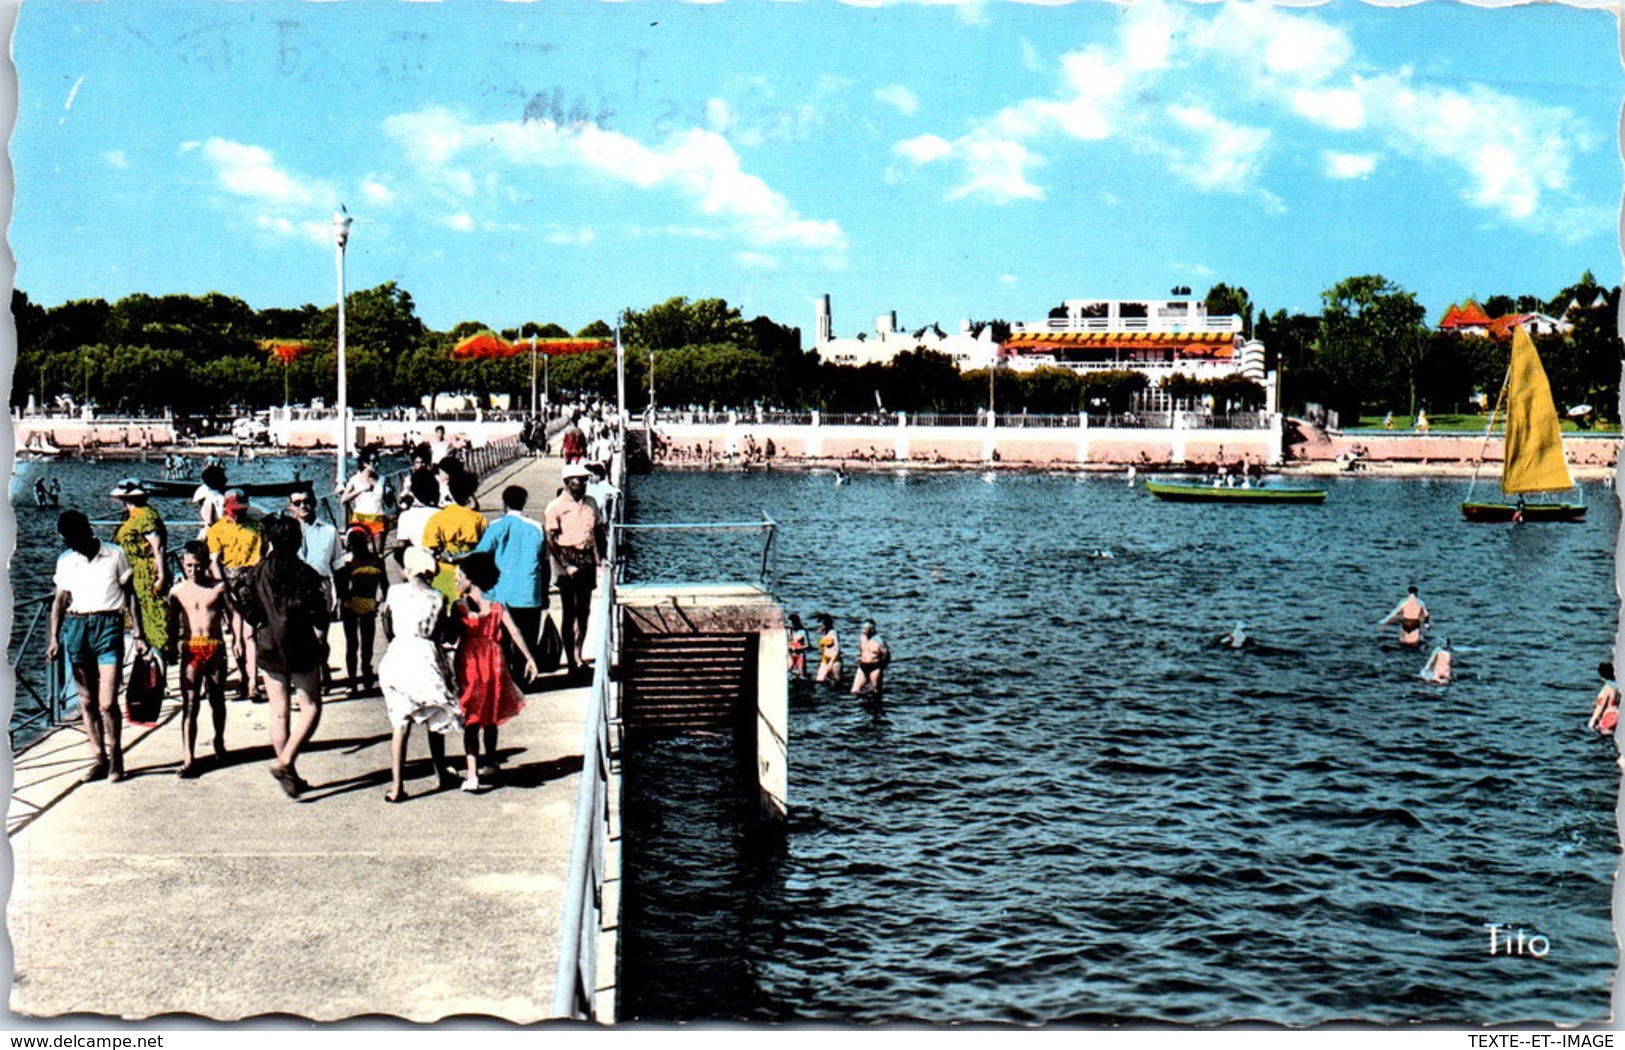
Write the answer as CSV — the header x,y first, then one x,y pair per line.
x,y
508,162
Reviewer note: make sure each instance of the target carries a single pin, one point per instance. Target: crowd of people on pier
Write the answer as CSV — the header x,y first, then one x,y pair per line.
x,y
465,629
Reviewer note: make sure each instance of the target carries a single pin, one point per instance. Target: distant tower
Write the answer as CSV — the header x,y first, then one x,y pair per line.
x,y
886,323
824,331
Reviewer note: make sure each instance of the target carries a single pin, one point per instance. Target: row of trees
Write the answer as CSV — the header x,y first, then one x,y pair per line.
x,y
1372,350
1369,348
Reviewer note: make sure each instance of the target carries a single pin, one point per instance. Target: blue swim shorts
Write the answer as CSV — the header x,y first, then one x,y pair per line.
x,y
94,638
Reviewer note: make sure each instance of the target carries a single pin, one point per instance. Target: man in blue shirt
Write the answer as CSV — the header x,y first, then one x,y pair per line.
x,y
520,549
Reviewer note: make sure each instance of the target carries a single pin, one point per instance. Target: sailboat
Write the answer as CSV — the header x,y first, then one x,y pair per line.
x,y
1533,461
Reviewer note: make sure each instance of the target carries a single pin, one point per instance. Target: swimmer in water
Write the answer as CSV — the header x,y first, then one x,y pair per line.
x,y
1412,616
1437,669
840,473
1605,712
1237,638
873,658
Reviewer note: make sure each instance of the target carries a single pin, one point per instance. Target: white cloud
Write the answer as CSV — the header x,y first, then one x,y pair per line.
x,y
377,193
718,115
251,171
1340,108
461,222
1172,78
1226,156
924,149
580,236
1008,278
1350,165
116,158
697,165
899,98
997,170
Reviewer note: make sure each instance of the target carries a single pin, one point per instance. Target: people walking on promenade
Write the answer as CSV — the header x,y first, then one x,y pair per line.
x,y
363,497
798,647
439,447
197,607
573,440
487,694
414,673
873,658
423,481
1412,616
144,540
318,547
519,547
93,595
210,498
575,539
284,598
1605,712
454,530
829,651
235,546
360,578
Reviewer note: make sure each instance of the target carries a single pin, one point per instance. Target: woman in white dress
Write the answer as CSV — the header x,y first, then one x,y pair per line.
x,y
414,672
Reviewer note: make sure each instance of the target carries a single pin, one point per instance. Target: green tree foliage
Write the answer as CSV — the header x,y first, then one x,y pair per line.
x,y
677,323
1225,301
593,330
1113,389
1370,328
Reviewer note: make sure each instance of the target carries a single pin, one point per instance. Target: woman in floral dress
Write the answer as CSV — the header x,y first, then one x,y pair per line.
x,y
143,538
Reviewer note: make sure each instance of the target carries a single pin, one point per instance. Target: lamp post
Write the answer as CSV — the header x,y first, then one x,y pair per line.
x,y
620,369
341,237
533,377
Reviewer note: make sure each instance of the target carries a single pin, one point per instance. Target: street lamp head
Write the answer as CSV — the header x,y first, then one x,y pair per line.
x,y
341,227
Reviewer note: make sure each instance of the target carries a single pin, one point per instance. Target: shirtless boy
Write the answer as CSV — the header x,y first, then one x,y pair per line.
x,y
198,603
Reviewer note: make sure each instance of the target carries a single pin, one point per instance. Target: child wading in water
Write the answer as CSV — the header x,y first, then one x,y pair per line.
x,y
416,677
198,604
1605,712
798,647
489,697
359,578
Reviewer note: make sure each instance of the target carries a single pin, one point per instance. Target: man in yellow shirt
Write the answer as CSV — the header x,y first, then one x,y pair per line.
x,y
454,530
235,544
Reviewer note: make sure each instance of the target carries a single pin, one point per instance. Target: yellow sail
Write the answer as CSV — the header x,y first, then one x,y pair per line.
x,y
1534,444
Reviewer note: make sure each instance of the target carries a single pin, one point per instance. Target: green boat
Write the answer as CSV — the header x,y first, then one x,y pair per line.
x,y
1206,492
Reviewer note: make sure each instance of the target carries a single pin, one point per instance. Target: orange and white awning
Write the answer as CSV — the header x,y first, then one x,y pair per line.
x,y
1212,345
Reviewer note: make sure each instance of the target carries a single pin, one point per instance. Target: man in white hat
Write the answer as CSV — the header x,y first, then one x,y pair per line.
x,y
575,539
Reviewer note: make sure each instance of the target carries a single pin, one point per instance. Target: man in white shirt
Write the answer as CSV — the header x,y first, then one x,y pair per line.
x,y
93,597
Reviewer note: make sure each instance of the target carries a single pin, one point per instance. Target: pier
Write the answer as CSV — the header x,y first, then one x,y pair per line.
x,y
220,897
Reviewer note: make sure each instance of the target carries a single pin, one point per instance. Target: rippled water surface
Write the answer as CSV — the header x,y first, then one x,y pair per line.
x,y
1073,807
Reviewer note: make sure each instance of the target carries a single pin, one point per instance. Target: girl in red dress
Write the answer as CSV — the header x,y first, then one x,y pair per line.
x,y
488,694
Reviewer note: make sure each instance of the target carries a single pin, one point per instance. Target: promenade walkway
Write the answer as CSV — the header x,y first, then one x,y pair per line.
x,y
223,898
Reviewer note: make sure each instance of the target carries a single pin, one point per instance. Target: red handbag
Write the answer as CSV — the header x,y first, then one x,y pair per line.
x,y
144,696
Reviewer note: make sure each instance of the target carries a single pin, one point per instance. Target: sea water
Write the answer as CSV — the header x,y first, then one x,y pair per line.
x,y
1074,807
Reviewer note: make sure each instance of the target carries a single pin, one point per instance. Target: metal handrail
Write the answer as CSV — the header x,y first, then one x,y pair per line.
x,y
576,981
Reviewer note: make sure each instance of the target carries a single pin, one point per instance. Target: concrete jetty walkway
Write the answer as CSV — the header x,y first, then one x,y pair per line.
x,y
222,897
